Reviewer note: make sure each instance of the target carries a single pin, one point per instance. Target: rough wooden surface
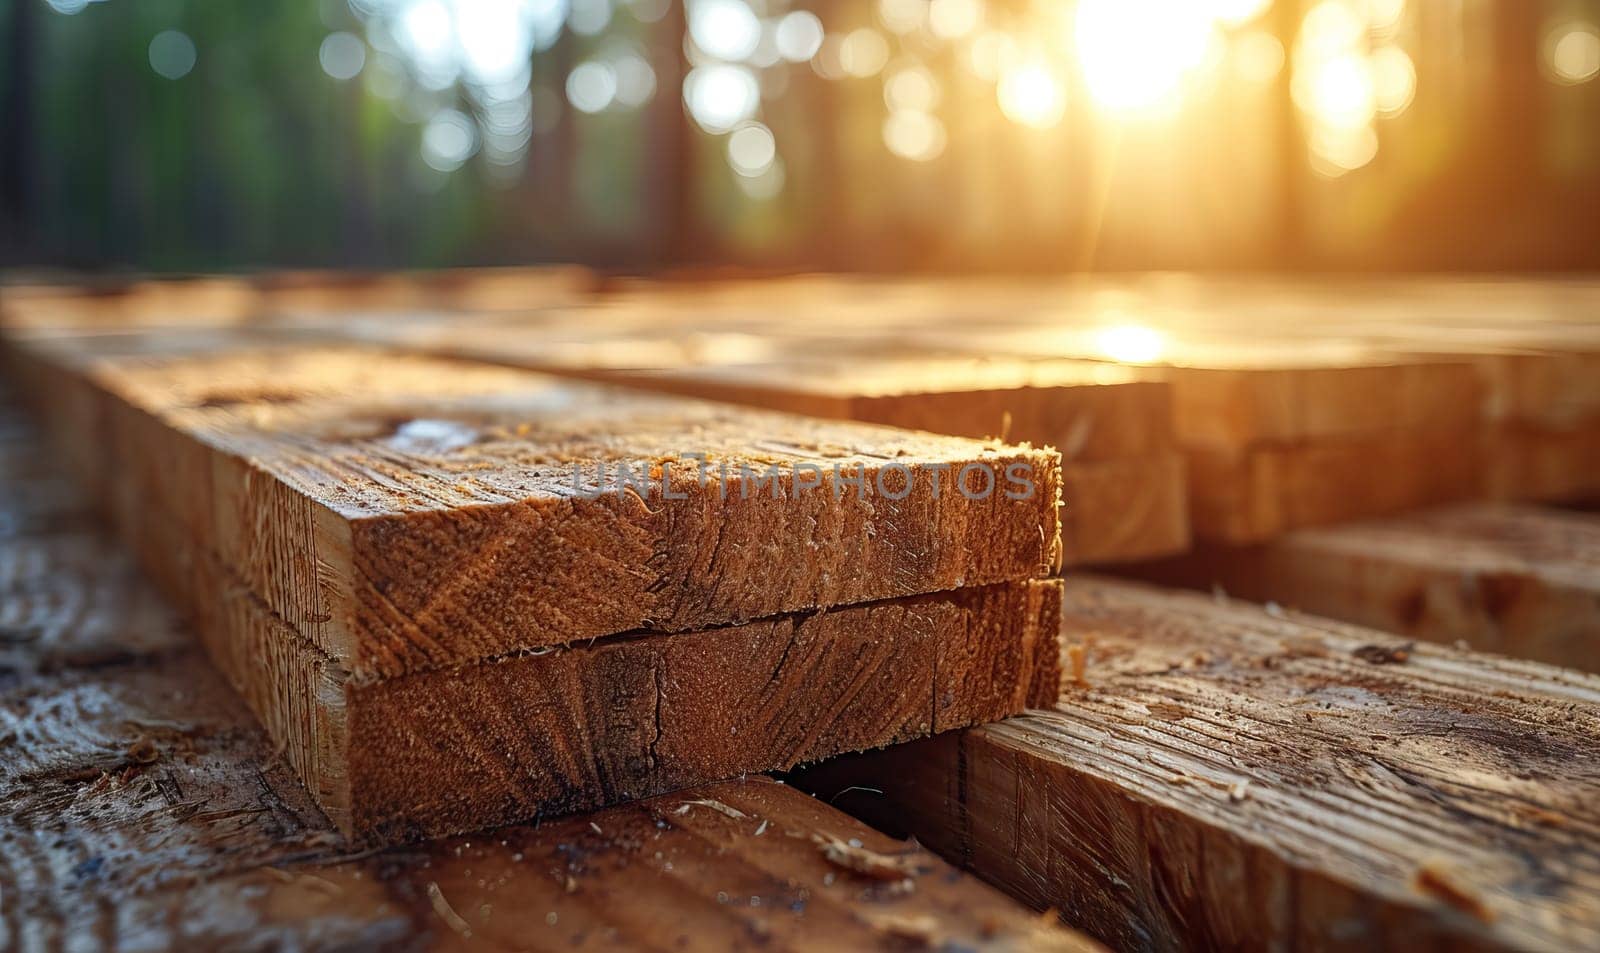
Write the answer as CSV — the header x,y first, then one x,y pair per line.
x,y
401,532
739,865
1226,778
294,298
592,724
1113,430
390,539
1506,578
1264,491
141,807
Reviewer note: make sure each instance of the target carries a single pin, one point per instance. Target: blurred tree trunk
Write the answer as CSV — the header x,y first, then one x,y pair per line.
x,y
17,144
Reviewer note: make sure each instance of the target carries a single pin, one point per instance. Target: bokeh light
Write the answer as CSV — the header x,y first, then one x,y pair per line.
x,y
902,16
1572,52
724,29
1258,57
863,52
752,149
950,19
172,54
636,80
591,86
911,88
721,96
1394,80
915,135
1032,95
342,55
448,140
798,36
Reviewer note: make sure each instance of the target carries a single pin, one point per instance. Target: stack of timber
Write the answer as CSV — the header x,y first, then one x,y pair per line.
x,y
1224,777
1122,473
1279,430
1535,345
1280,433
1508,578
142,808
302,300
459,596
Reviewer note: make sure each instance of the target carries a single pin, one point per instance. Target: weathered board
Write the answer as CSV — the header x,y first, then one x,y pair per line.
x,y
452,513
1507,578
1222,777
141,807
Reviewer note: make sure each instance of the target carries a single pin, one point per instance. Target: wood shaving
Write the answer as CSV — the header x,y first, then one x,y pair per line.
x,y
717,806
447,913
910,863
1077,664
914,931
1239,791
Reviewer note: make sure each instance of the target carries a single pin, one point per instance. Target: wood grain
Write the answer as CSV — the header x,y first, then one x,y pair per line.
x,y
141,807
592,724
434,520
1226,778
1102,418
1506,578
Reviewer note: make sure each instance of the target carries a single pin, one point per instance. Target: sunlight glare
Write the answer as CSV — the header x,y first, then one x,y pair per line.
x,y
1130,343
1136,53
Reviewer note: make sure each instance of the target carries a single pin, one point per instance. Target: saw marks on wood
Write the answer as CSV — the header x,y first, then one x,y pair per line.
x,y
742,864
1228,778
431,584
1505,578
404,532
1100,417
561,730
144,808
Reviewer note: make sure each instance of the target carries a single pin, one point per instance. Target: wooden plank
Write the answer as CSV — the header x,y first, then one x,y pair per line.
x,y
1506,578
1101,418
728,866
1227,778
142,807
274,298
379,734
592,724
1264,491
364,521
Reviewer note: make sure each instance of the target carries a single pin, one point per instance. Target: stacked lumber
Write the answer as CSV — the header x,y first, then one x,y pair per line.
x,y
142,807
459,596
1279,430
1534,344
1222,777
1513,579
1122,474
296,299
